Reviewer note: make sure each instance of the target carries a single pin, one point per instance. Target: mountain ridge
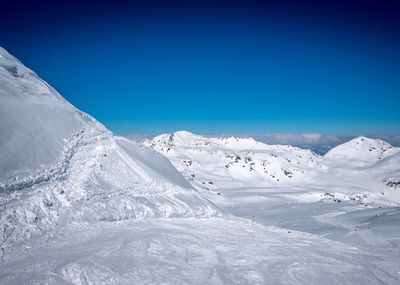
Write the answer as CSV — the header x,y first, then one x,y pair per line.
x,y
209,159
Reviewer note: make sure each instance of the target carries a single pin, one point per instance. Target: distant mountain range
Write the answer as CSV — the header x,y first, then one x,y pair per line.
x,y
211,163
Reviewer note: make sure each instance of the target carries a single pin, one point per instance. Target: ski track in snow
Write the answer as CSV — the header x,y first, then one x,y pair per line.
x,y
51,173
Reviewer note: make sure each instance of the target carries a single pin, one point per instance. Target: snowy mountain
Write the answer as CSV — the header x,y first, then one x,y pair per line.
x,y
79,205
215,163
372,163
361,151
211,162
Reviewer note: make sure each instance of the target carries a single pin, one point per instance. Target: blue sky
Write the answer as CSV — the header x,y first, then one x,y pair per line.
x,y
220,66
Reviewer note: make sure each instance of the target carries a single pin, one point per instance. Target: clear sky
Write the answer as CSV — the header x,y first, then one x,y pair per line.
x,y
217,66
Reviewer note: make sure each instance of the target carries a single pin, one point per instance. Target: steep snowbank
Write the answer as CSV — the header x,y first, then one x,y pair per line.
x,y
35,121
59,166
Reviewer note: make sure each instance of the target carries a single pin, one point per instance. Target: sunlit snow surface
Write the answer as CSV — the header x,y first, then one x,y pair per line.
x,y
81,206
193,251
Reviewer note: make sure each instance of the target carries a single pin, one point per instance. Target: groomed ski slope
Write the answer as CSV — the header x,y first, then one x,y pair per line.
x,y
81,206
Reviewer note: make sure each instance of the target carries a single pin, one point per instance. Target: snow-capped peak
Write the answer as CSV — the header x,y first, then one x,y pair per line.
x,y
361,149
185,139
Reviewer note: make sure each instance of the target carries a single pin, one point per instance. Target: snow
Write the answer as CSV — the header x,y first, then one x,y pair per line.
x,y
350,195
214,164
35,121
361,151
79,205
86,177
199,251
234,160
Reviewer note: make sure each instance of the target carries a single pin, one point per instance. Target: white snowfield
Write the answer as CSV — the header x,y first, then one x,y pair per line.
x,y
79,205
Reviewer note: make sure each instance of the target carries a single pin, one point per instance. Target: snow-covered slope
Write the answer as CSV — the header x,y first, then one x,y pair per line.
x,y
194,251
58,165
35,120
373,164
361,151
